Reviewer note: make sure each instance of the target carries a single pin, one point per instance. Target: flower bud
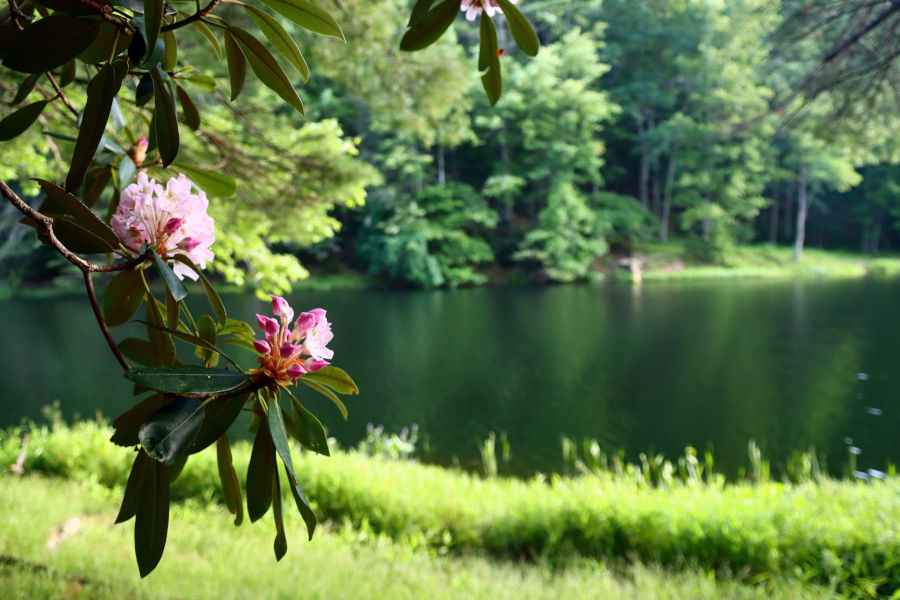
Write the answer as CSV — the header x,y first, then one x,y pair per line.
x,y
295,370
261,346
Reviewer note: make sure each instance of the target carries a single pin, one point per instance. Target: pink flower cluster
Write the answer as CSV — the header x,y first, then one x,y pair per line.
x,y
282,350
473,8
172,220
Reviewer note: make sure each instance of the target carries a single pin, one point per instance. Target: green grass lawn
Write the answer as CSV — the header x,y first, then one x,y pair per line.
x,y
207,557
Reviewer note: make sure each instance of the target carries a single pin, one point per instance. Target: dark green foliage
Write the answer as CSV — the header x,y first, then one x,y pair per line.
x,y
432,239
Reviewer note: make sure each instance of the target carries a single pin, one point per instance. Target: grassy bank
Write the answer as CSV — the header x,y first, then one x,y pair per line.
x,y
670,262
842,534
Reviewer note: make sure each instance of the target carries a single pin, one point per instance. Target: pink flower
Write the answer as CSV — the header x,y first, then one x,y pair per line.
x,y
285,350
172,220
473,8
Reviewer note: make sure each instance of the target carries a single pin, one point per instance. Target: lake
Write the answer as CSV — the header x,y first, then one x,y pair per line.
x,y
791,365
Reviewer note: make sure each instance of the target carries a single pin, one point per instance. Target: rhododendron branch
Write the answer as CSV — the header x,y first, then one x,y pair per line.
x,y
95,306
61,95
194,17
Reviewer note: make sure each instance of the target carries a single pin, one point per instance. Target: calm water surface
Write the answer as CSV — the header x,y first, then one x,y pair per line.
x,y
788,364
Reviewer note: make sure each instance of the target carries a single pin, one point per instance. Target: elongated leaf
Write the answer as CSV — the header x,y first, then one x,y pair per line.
x,y
94,183
167,433
141,469
236,328
108,43
170,56
65,203
237,65
153,14
101,91
173,311
176,468
26,87
280,39
208,34
188,109
279,440
307,15
489,60
127,170
190,338
186,379
419,10
521,29
335,378
215,301
71,7
260,473
160,338
67,75
308,430
116,117
205,82
17,122
328,394
212,182
430,26
137,350
266,67
280,544
144,91
122,297
165,117
50,42
220,414
78,239
174,285
231,486
151,522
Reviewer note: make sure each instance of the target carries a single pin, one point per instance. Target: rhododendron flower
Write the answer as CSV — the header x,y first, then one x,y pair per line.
x,y
289,354
473,8
172,220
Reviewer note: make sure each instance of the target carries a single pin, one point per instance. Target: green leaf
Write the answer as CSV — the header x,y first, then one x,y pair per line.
x,y
94,183
237,65
328,394
208,34
237,328
308,430
172,311
170,55
335,378
17,122
307,16
280,39
186,379
151,522
202,81
109,42
128,424
153,14
141,470
190,338
127,170
489,60
67,75
266,67
61,202
176,288
280,544
176,468
231,486
430,26
279,440
137,350
165,117
101,91
167,433
188,109
211,182
144,91
51,42
521,29
26,87
122,297
78,239
419,10
260,473
206,329
71,7
159,336
215,302
220,414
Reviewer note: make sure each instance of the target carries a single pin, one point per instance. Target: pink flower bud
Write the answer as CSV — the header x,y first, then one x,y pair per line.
x,y
314,364
142,142
173,225
281,309
268,325
295,370
287,349
305,321
188,244
261,346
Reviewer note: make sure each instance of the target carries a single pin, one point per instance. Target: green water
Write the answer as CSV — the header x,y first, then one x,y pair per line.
x,y
788,364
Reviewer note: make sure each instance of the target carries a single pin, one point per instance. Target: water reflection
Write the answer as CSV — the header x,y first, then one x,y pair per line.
x,y
655,367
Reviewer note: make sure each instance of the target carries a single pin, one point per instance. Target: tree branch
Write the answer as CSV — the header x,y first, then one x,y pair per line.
x,y
194,17
846,43
95,306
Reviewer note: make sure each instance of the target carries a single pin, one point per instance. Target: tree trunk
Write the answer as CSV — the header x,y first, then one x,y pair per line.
x,y
667,197
643,187
656,188
773,216
442,170
802,209
788,232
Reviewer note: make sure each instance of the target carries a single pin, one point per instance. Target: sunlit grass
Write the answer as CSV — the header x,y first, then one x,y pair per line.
x,y
206,557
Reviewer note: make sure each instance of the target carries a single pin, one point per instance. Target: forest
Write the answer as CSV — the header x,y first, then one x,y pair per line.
x,y
716,123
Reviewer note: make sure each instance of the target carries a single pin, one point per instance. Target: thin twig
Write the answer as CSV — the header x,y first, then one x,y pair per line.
x,y
194,17
16,14
102,9
95,306
61,94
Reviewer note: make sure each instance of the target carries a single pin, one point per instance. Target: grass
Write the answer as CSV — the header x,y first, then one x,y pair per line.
x,y
843,534
667,262
206,557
